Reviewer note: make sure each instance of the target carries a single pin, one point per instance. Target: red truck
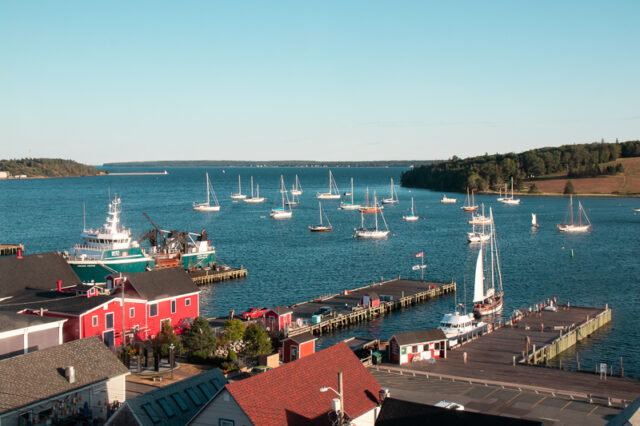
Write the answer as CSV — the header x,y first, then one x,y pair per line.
x,y
253,313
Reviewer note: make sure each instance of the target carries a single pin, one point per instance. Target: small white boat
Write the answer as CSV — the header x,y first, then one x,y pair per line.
x,y
447,200
321,227
211,195
479,237
471,205
636,210
510,200
239,195
500,197
534,220
412,217
282,212
458,325
334,192
257,199
393,196
574,227
374,232
349,206
297,188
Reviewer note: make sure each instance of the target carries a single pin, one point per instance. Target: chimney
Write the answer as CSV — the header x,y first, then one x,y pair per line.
x,y
59,286
19,254
70,374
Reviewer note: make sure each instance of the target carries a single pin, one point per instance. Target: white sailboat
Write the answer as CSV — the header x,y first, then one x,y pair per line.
x,y
478,237
393,195
374,232
471,205
580,226
480,219
488,293
297,188
412,217
239,195
534,220
447,200
350,206
510,200
211,195
294,201
334,192
500,197
257,198
282,212
321,227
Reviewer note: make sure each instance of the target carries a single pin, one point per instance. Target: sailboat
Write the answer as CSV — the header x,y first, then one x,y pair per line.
x,y
487,296
350,206
393,196
334,192
370,209
297,188
321,227
573,226
257,198
375,232
282,212
294,201
478,237
500,197
412,217
239,195
534,220
470,206
447,200
510,200
480,219
211,195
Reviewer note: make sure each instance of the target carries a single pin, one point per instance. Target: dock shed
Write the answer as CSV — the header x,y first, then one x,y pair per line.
x,y
417,346
278,319
370,300
298,346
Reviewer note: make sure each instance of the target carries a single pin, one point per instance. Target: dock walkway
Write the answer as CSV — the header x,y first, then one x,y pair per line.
x,y
202,277
10,249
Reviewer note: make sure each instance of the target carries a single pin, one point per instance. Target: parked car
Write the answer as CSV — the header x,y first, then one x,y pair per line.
x,y
450,405
253,313
324,312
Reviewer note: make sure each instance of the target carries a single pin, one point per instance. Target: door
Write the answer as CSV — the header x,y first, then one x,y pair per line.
x,y
109,321
109,338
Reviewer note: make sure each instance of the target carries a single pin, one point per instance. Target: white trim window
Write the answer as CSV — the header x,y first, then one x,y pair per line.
x,y
153,310
187,301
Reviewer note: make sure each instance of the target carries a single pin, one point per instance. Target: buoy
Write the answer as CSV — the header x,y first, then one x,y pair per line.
x,y
572,253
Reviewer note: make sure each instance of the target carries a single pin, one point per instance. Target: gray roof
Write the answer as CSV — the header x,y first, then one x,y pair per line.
x,y
302,338
40,271
13,321
161,283
55,301
151,403
39,375
411,337
281,310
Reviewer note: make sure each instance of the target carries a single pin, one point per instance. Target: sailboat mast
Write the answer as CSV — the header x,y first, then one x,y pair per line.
x,y
351,190
239,185
320,208
412,206
251,186
491,245
375,204
571,206
208,190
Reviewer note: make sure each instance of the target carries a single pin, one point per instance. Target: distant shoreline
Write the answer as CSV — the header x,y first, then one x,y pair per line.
x,y
295,163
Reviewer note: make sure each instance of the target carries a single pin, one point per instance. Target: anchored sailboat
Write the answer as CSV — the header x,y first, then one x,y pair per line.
x,y
412,217
471,205
334,192
282,212
239,195
393,196
374,232
211,195
321,227
510,200
297,188
478,237
350,206
534,220
257,198
488,296
375,208
580,226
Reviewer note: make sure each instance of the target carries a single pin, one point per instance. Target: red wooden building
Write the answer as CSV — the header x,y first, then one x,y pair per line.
x,y
278,318
371,300
298,346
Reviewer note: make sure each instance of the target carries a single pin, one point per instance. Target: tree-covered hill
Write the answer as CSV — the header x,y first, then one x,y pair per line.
x,y
490,172
47,167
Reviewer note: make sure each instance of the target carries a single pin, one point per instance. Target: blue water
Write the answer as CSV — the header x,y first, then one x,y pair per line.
x,y
288,264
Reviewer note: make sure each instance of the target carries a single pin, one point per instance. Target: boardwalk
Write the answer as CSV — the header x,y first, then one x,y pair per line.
x,y
10,249
202,277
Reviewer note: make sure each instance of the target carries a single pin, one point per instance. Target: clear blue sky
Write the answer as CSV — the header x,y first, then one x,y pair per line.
x,y
324,80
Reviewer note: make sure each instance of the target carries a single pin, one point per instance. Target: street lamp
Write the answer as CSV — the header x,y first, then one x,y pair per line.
x,y
171,358
340,394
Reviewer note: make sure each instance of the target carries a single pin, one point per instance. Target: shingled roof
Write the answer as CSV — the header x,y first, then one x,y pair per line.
x,y
290,394
412,337
39,271
54,301
10,321
39,375
161,283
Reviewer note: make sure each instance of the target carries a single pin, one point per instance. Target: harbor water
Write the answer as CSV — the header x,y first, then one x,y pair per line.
x,y
289,264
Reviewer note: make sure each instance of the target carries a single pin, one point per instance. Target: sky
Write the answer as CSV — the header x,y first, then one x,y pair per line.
x,y
313,80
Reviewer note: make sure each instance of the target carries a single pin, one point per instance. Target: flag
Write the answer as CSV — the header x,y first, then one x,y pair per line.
x,y
421,254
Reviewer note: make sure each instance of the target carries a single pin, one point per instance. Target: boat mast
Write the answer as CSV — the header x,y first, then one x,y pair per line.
x,y
412,207
207,175
251,186
239,185
375,204
351,190
320,207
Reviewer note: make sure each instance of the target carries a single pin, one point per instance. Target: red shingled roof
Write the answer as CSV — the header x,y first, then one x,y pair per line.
x,y
291,395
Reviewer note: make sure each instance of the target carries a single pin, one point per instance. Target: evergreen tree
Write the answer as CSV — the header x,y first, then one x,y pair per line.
x,y
199,336
257,341
233,330
568,188
165,338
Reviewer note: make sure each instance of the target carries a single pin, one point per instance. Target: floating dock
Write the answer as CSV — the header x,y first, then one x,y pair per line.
x,y
10,249
203,277
347,309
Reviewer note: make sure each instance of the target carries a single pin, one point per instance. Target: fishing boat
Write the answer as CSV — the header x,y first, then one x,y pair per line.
x,y
297,188
283,212
447,200
349,206
334,192
509,200
375,208
372,232
411,217
470,206
534,220
480,219
487,291
257,198
211,195
239,195
107,250
577,224
393,195
321,227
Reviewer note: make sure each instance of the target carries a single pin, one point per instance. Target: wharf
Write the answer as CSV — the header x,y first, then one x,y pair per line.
x,y
507,357
346,308
10,249
202,277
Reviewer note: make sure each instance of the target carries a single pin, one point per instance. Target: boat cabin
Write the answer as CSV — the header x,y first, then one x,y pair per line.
x,y
417,346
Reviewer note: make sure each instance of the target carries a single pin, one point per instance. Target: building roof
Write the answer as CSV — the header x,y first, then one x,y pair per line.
x,y
10,320
290,394
171,404
420,336
39,375
55,301
281,310
372,295
162,283
40,271
302,338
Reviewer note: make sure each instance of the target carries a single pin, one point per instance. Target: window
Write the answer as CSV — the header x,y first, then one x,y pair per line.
x,y
436,346
414,349
225,422
132,312
205,390
153,310
173,306
194,396
153,415
108,321
187,301
162,402
94,321
180,401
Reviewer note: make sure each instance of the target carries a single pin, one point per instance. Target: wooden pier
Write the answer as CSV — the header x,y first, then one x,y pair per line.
x,y
203,277
10,249
347,310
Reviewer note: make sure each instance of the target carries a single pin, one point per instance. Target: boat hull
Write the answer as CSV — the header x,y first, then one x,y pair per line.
x,y
238,196
254,200
327,196
410,218
510,201
320,228
206,208
360,233
280,214
487,308
350,207
476,238
574,228
469,208
91,271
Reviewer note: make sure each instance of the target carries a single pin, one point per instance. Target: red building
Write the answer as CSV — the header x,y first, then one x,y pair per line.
x,y
417,346
298,346
371,300
278,318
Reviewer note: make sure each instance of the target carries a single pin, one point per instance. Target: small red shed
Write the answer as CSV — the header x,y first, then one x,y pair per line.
x,y
371,300
298,346
278,318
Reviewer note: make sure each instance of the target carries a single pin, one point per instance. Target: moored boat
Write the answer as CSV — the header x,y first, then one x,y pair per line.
x,y
447,200
411,217
470,206
334,192
321,227
576,226
487,291
239,195
211,196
